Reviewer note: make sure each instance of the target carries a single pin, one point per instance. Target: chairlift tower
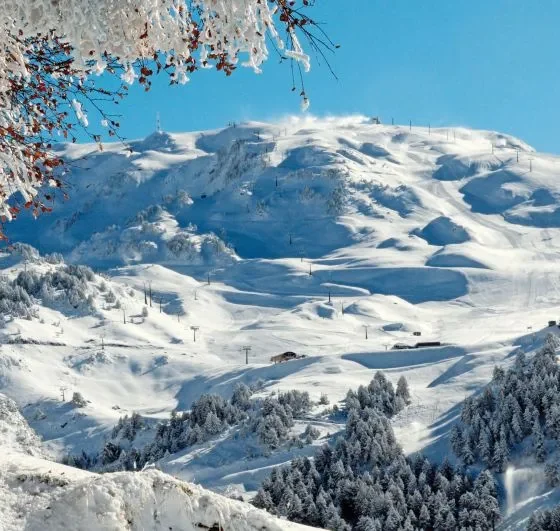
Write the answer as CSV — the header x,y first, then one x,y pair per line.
x,y
247,349
63,389
366,329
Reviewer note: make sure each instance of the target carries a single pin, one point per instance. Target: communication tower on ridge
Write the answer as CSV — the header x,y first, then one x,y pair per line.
x,y
158,123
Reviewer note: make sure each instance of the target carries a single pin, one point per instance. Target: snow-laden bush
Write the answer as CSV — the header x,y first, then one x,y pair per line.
x,y
324,400
182,245
81,272
78,400
401,199
237,160
54,258
310,434
212,247
190,247
336,203
68,284
180,199
27,252
15,301
148,215
110,297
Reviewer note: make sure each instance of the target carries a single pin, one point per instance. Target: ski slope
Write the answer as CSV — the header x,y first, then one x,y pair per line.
x,y
296,236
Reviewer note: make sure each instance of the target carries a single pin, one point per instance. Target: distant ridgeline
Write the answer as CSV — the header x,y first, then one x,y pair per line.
x,y
364,482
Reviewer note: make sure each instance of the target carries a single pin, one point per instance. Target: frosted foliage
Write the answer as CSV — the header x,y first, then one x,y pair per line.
x,y
203,32
132,29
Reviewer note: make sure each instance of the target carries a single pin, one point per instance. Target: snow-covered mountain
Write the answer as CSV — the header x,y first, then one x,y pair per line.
x,y
304,235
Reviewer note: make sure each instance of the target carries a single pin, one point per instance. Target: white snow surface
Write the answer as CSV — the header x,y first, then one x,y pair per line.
x,y
430,231
36,494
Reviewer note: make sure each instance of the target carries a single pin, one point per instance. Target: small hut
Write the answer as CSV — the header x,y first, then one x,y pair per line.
x,y
286,356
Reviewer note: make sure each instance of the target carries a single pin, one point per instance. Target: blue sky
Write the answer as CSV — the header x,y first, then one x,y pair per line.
x,y
479,63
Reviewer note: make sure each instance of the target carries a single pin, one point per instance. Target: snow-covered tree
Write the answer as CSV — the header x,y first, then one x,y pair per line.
x,y
324,400
78,400
364,481
241,396
521,402
552,474
545,520
538,442
402,390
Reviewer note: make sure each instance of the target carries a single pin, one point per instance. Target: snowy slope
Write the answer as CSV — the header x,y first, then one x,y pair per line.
x,y
39,494
36,494
441,232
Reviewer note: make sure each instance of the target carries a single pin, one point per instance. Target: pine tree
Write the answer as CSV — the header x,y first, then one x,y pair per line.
x,y
424,519
468,454
538,442
212,426
485,446
456,439
403,391
553,421
498,374
407,526
552,474
366,523
416,501
555,518
393,520
464,518
501,453
529,415
263,500
516,426
295,511
450,523
439,519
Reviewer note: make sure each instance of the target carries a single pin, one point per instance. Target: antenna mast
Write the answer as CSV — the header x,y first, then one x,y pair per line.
x,y
158,123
